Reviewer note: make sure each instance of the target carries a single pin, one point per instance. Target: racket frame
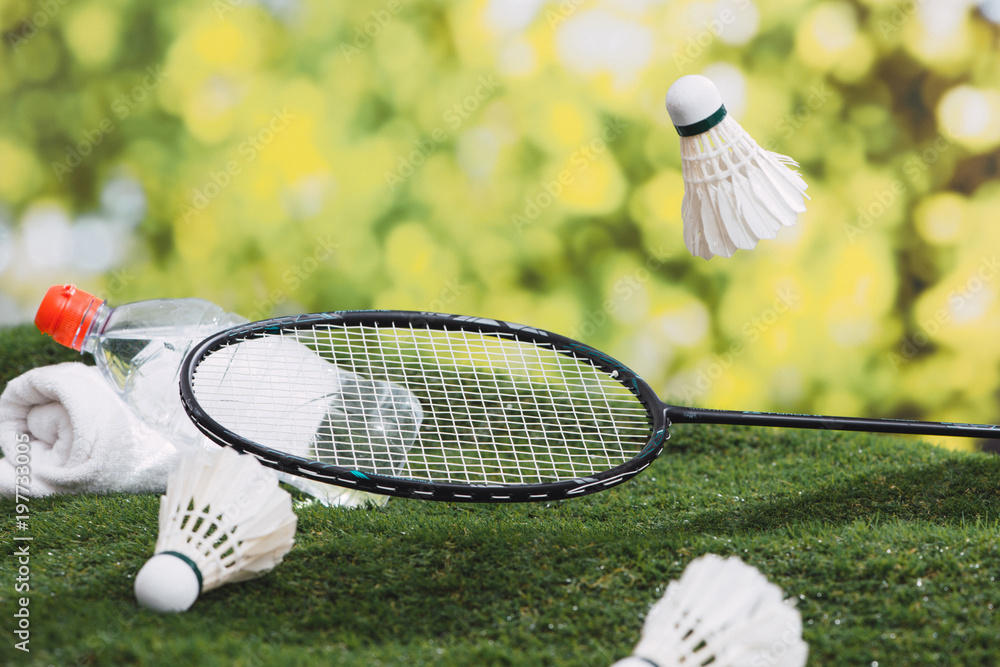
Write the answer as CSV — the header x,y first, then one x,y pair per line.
x,y
422,488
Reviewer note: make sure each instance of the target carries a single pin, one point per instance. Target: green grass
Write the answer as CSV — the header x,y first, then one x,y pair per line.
x,y
890,546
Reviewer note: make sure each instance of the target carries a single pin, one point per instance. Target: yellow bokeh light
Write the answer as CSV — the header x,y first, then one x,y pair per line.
x,y
594,185
92,34
856,61
826,34
567,125
939,35
223,43
839,403
209,111
196,239
681,319
971,116
962,310
860,289
658,202
940,217
950,374
417,262
20,173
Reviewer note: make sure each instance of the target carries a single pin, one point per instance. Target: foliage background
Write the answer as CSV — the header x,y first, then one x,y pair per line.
x,y
513,160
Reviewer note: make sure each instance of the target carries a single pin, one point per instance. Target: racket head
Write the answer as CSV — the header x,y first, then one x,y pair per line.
x,y
497,411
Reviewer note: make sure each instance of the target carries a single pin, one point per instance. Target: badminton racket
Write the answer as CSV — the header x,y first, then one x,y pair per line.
x,y
477,410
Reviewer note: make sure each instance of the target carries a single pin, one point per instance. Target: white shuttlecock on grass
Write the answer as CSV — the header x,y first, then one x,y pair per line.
x,y
721,612
735,192
223,519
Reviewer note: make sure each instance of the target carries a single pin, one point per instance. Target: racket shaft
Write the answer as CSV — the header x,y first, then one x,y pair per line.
x,y
678,415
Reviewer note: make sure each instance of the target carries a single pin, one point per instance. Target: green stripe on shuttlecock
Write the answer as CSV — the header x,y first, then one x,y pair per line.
x,y
702,126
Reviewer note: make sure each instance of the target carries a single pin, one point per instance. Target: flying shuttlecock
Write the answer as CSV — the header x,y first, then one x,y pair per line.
x,y
721,612
735,192
223,519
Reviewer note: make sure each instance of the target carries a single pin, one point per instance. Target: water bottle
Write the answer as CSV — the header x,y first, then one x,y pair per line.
x,y
369,426
140,346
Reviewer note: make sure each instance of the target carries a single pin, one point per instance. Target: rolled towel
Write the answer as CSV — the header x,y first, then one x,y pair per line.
x,y
81,436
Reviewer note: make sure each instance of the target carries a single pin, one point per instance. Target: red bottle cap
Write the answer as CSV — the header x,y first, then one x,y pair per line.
x,y
66,314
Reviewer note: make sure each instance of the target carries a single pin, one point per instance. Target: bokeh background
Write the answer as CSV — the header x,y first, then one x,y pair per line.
x,y
512,159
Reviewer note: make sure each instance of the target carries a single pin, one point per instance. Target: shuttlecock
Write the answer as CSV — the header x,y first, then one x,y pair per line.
x,y
223,519
735,192
721,612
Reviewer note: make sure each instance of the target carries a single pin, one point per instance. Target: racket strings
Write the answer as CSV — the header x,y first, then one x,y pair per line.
x,y
434,404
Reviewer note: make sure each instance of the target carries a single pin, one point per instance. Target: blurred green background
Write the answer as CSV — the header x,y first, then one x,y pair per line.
x,y
513,159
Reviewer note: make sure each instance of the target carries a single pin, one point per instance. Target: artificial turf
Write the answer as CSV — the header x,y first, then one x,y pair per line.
x,y
889,545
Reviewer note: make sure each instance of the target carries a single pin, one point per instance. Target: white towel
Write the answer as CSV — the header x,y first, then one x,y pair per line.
x,y
81,436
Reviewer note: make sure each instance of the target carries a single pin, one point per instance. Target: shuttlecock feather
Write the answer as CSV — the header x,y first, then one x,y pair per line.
x,y
223,519
721,612
735,192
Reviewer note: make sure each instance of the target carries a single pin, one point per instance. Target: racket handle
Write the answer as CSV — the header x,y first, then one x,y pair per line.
x,y
679,415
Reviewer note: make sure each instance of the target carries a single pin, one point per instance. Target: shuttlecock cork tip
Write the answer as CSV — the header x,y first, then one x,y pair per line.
x,y
694,104
167,583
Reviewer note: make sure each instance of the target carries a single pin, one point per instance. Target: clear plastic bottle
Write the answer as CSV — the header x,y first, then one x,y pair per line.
x,y
369,426
140,346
